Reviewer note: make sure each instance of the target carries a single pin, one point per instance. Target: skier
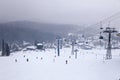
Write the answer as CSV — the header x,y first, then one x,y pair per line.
x,y
55,56
41,58
36,57
27,59
24,56
66,61
15,60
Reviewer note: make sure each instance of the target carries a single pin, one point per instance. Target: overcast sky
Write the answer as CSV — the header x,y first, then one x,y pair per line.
x,y
58,11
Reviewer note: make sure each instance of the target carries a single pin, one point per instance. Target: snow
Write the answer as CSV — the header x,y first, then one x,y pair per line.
x,y
39,44
46,65
32,47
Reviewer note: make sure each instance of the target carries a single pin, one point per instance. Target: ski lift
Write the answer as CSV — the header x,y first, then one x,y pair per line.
x,y
101,37
101,28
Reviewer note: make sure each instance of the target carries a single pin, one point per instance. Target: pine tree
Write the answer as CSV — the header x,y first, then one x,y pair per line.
x,y
3,48
7,49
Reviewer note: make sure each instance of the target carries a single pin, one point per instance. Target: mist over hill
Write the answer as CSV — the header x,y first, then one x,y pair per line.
x,y
31,31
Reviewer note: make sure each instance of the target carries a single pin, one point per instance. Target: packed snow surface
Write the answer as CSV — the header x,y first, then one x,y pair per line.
x,y
46,65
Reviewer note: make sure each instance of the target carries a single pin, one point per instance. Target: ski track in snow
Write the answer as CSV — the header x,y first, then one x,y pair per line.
x,y
89,65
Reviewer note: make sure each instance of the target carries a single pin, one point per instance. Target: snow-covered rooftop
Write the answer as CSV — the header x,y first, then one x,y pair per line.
x,y
39,44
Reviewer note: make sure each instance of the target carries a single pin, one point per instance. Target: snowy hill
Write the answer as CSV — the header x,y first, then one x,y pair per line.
x,y
89,65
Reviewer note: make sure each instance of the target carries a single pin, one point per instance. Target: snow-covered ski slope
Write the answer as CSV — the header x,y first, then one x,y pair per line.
x,y
89,65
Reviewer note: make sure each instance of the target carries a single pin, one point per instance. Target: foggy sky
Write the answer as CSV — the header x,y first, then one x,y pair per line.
x,y
58,11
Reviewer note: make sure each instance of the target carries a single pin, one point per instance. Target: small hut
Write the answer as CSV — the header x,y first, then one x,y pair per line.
x,y
40,46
